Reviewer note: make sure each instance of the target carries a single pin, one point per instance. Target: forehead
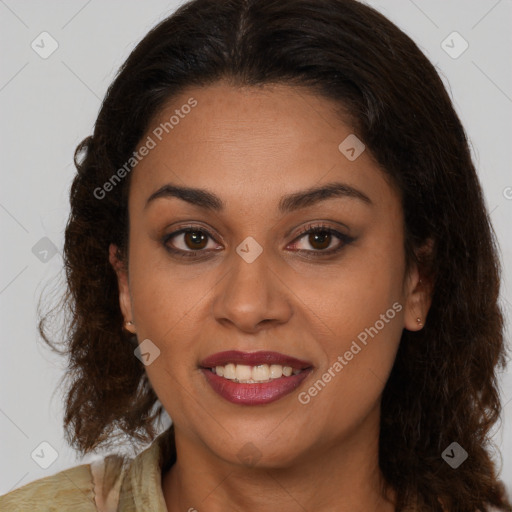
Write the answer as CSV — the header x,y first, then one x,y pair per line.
x,y
251,145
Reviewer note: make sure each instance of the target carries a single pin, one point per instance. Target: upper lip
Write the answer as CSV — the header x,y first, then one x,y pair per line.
x,y
253,359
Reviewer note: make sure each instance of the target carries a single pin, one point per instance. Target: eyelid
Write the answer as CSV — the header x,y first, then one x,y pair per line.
x,y
191,227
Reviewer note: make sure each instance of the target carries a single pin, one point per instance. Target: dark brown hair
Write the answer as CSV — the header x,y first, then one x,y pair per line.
x,y
443,387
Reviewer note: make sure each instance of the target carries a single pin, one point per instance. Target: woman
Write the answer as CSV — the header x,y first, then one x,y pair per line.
x,y
278,205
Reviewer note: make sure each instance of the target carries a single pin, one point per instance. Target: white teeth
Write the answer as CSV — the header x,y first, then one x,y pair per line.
x,y
261,372
287,371
276,371
243,372
229,371
253,374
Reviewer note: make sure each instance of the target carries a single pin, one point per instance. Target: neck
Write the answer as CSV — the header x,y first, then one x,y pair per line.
x,y
340,477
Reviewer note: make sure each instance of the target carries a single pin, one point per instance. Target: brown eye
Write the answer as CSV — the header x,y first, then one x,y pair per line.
x,y
188,242
195,239
320,240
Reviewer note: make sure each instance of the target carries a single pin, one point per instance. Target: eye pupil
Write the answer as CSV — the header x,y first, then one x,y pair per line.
x,y
196,237
320,237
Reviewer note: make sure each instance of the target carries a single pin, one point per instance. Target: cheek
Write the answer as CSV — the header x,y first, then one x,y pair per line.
x,y
345,298
359,350
161,293
356,314
164,304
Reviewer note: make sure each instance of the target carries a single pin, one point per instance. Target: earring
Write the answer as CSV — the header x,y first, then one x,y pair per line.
x,y
128,325
419,322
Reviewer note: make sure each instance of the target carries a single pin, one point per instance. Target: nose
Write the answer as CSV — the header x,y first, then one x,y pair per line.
x,y
252,296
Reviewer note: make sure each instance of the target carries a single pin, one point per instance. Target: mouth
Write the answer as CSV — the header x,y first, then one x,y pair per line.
x,y
253,378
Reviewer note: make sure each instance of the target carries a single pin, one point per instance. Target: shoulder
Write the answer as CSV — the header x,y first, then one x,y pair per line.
x,y
71,488
115,482
86,488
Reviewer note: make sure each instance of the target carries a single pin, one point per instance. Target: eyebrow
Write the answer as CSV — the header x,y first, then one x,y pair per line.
x,y
295,201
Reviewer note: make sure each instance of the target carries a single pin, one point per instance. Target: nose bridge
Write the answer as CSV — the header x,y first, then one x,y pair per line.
x,y
249,293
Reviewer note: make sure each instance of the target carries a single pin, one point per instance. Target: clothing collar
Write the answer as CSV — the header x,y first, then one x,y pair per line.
x,y
142,486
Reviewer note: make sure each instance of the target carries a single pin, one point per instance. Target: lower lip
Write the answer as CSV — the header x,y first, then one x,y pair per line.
x,y
254,394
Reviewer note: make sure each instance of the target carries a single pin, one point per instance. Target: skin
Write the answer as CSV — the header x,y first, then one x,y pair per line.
x,y
250,147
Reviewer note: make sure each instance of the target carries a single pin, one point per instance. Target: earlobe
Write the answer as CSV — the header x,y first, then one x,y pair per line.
x,y
124,289
419,288
417,303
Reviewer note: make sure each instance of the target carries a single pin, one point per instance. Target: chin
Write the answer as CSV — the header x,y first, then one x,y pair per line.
x,y
258,450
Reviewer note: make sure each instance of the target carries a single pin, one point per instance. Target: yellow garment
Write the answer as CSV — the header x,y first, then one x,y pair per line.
x,y
113,484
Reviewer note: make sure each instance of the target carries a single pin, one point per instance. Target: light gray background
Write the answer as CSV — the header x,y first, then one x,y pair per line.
x,y
49,105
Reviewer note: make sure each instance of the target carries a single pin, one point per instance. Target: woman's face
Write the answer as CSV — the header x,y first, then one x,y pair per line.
x,y
337,303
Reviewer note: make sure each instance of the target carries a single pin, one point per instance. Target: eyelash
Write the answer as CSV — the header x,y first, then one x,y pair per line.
x,y
310,229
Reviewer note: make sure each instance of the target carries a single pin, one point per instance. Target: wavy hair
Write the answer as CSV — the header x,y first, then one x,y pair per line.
x,y
443,386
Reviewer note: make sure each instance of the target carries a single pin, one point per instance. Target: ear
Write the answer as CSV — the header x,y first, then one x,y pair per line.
x,y
125,301
418,291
